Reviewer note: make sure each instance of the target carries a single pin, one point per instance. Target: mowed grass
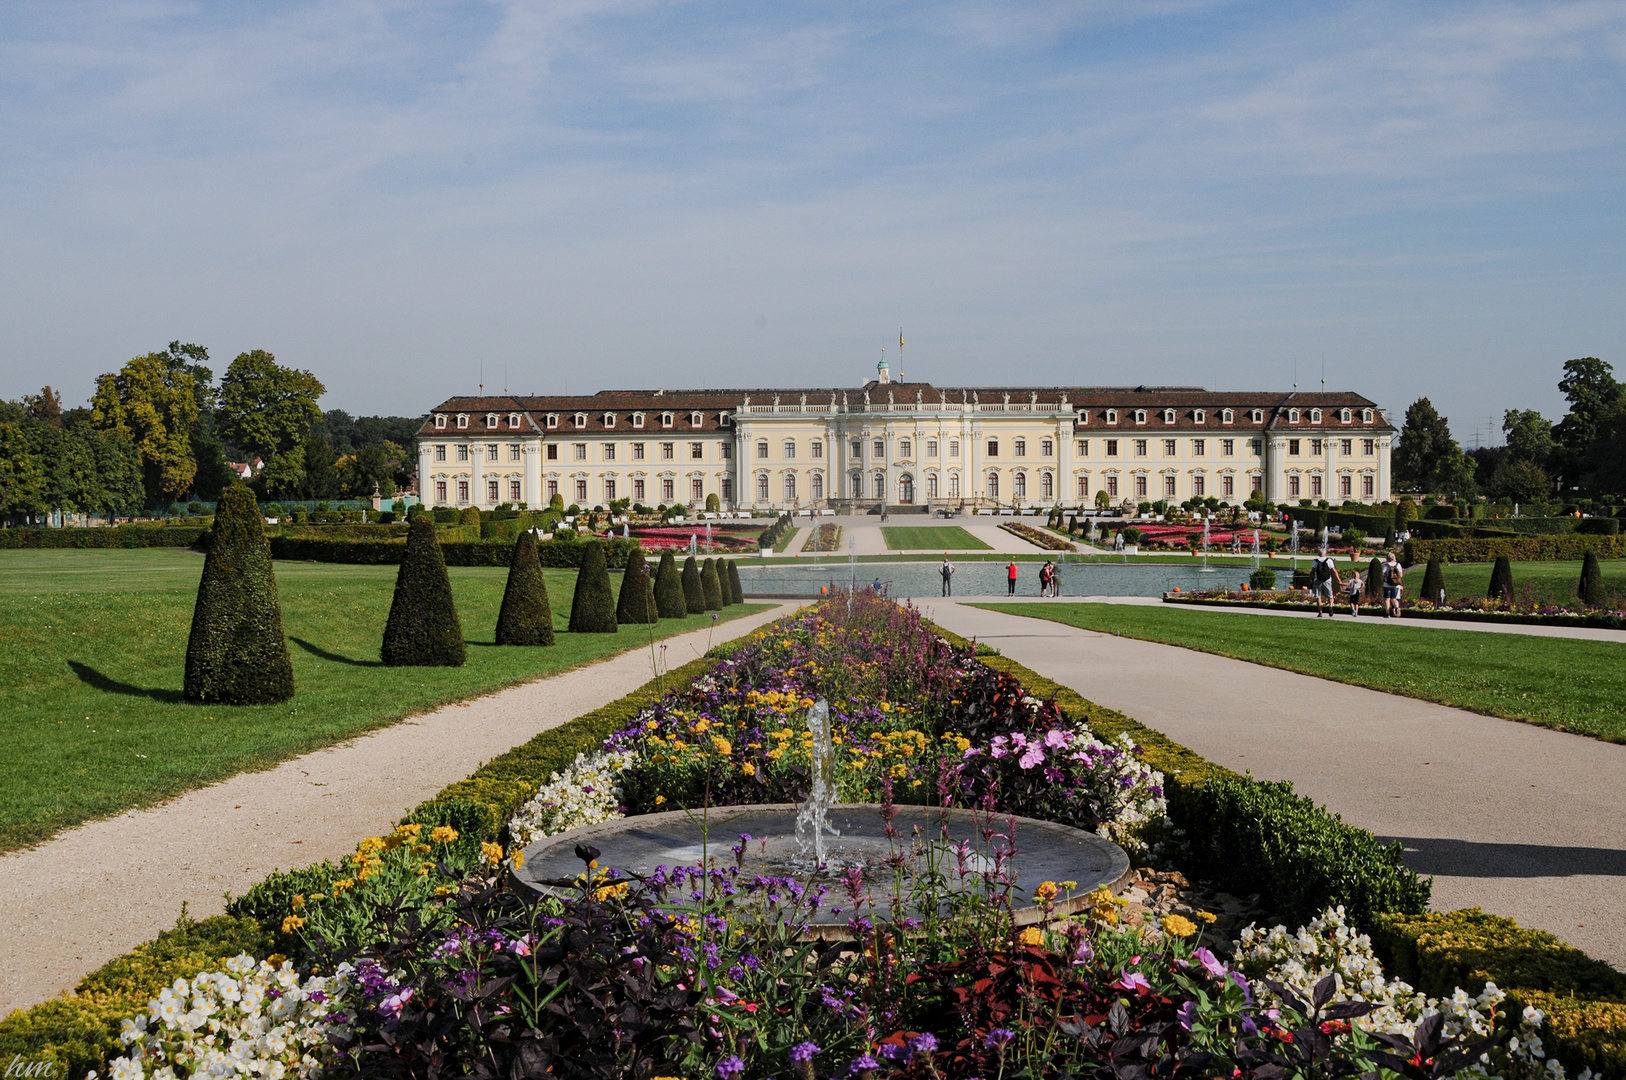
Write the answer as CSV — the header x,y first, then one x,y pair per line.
x,y
931,537
92,655
1533,582
1564,683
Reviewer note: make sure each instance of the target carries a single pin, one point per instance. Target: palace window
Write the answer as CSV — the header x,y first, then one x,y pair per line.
x,y
1344,416
1346,486
1199,416
1168,416
931,448
762,449
697,451
1019,447
1112,448
637,451
1083,487
1315,447
1293,486
1366,447
513,420
1168,487
1198,483
1020,487
609,489
1169,448
1227,448
667,488
553,420
440,451
581,420
1140,416
491,420
637,419
1198,447
815,486
513,451
1292,416
954,448
877,449
857,449
878,485
1257,446
1258,416
993,447
1315,487
440,422
579,451
1315,416
697,490
666,419
1140,487
1293,447
1082,447
462,452
790,487
815,450
1112,486
1047,487
856,485
462,422
493,451
462,491
1228,486
1346,447
581,491
696,419
725,450
513,491
638,490
1366,416
1140,447
1227,416
609,452
762,487
905,448
931,485
1047,448
954,485
609,419
553,451
1112,416
1366,486
440,492
993,485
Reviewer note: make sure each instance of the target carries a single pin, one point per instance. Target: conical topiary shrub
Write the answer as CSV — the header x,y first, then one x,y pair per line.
x,y
736,595
669,600
526,618
694,594
1590,589
237,654
1374,581
1501,582
710,586
423,630
592,609
1433,581
637,601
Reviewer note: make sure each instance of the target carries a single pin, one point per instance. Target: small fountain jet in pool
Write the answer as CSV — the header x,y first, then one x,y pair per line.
x,y
813,816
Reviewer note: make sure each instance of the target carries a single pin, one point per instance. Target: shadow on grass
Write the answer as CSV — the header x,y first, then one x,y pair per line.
x,y
323,654
1466,858
93,678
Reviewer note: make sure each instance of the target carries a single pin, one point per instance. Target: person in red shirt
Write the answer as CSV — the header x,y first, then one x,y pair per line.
x,y
1010,579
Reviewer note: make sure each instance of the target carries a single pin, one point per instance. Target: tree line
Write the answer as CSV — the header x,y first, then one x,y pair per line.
x,y
1583,454
161,431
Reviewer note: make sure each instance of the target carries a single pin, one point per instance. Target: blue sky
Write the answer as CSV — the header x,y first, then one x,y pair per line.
x,y
624,193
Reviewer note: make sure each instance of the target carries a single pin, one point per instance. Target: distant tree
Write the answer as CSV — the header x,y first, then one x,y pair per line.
x,y
423,629
267,410
636,604
1425,438
321,474
1590,587
592,608
1528,436
1589,385
45,406
669,599
1603,466
22,479
711,587
525,618
151,402
237,654
1521,481
1454,473
694,595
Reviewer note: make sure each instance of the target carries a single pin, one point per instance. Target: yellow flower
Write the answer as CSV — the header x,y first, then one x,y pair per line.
x,y
700,726
276,959
610,890
409,831
1207,917
1178,926
371,846
660,799
1044,892
1069,885
721,745
490,853
775,755
443,890
392,842
518,858
342,884
443,834
652,725
421,849
1031,936
962,743
292,923
299,901
748,769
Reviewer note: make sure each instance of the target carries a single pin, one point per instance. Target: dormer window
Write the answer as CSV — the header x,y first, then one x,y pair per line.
x,y
1315,416
1140,416
1366,416
1227,416
462,420
1343,416
696,420
553,420
609,419
1083,416
666,419
1197,416
513,420
723,419
637,419
1292,416
1258,416
1112,416
1168,416
581,420
440,421
491,420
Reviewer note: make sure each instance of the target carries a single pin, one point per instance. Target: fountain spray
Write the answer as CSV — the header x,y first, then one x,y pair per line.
x,y
813,816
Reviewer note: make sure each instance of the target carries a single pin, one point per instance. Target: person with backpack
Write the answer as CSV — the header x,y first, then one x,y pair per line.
x,y
1394,579
1010,579
1323,580
947,571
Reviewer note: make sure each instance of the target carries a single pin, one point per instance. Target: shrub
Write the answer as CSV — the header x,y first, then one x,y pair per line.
x,y
1374,580
1501,580
592,609
119,536
1433,582
710,587
694,595
237,653
713,504
1518,549
637,600
736,594
526,618
422,630
1590,589
469,515
1598,526
1262,578
670,602
446,515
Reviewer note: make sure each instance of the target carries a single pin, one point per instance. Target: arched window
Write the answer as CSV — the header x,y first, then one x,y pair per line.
x,y
1315,416
1020,487
1343,416
581,420
666,419
637,419
696,419
1227,416
1259,416
815,486
1292,416
1140,416
856,485
462,421
790,449
440,421
878,485
1366,416
1200,416
790,487
762,448
954,485
931,485
1047,487
1112,416
491,420
762,487
1168,416
993,485
609,419
553,420
513,420
1083,487
906,488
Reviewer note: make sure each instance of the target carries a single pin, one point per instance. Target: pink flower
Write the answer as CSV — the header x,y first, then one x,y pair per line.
x,y
1210,962
392,1005
1056,738
1032,756
998,747
1134,980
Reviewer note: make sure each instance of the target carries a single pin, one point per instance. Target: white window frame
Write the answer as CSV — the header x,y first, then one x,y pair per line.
x,y
1227,416
1140,416
1199,416
581,421
491,420
1168,416
462,420
637,419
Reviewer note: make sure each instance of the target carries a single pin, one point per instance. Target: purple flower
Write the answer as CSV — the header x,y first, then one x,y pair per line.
x,y
730,1066
1187,1014
1033,755
997,1038
924,1043
1210,962
392,1005
1134,980
803,1051
863,1063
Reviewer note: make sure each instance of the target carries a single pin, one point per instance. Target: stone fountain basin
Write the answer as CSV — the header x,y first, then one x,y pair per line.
x,y
638,845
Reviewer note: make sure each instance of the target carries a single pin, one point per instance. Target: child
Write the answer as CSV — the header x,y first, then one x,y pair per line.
x,y
1357,582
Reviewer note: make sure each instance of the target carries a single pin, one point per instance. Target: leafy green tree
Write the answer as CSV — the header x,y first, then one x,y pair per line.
x,y
592,609
1590,587
694,593
1589,385
1454,473
46,406
669,599
267,410
423,629
736,594
636,603
237,654
22,480
711,587
713,504
525,618
1521,481
153,404
1425,439
1528,436
1501,581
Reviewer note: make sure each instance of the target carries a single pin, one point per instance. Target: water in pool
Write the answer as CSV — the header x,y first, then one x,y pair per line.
x,y
1084,578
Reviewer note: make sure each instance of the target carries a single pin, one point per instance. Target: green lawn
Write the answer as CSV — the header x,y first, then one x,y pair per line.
x,y
92,648
1564,683
931,538
1533,582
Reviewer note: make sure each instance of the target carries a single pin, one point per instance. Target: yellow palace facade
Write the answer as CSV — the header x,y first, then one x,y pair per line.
x,y
904,445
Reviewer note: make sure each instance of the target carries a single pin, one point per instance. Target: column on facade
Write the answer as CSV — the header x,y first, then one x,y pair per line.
x,y
973,452
1066,488
534,495
1274,458
426,489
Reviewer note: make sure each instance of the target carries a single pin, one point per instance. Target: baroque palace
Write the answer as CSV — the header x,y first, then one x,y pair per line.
x,y
892,443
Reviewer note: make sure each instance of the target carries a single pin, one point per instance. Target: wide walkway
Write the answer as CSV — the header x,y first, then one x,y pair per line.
x,y
1519,820
861,534
93,893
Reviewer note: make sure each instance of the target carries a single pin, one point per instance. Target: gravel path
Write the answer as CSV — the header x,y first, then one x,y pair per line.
x,y
93,893
1517,819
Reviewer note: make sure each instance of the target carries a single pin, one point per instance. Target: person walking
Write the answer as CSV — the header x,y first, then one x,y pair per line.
x,y
1323,580
1010,579
1394,579
947,571
1357,582
1044,579
1055,580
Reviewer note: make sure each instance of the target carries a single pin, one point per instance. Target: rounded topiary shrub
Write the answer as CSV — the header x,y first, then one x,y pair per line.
x,y
1433,582
423,630
1501,581
592,609
470,515
237,654
736,595
670,602
1263,578
694,594
637,601
1590,588
1374,581
525,618
711,586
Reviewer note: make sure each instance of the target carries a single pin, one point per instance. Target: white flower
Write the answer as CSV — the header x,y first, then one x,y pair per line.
x,y
585,792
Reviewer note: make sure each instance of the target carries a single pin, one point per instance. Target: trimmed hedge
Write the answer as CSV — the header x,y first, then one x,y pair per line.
x,y
1518,549
423,628
735,592
558,555
526,617
636,604
113,536
670,601
1316,519
694,594
592,608
711,587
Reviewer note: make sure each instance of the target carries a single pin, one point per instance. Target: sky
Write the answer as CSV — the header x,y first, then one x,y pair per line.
x,y
1421,199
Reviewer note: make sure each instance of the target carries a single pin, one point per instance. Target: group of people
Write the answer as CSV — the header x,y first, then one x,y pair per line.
x,y
1049,578
1326,583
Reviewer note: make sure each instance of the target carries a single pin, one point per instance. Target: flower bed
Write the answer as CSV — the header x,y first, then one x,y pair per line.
x,y
726,538
436,967
1464,610
1041,538
827,537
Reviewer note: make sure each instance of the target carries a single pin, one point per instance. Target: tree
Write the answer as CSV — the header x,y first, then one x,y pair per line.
x,y
525,617
1590,588
1528,436
423,630
1501,581
118,469
710,587
1521,481
636,603
713,504
669,599
1589,385
1425,439
22,480
237,654
735,592
1604,463
45,406
154,405
1374,579
267,410
694,593
1433,581
1454,473
592,609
